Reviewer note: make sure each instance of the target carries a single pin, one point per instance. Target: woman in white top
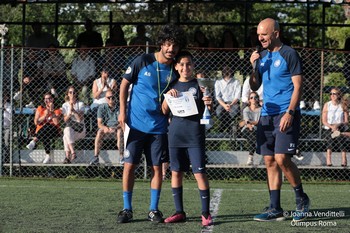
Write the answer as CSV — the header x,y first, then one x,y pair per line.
x,y
100,87
73,112
335,118
251,115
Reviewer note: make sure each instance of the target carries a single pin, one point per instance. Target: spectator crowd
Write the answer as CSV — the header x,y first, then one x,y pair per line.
x,y
80,98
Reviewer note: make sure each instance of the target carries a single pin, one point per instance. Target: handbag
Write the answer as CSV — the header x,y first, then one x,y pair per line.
x,y
76,126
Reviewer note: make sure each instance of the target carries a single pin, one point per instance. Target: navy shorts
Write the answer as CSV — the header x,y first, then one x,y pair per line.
x,y
271,141
182,157
152,145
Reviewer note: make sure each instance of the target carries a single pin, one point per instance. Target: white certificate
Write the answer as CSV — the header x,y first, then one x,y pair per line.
x,y
183,105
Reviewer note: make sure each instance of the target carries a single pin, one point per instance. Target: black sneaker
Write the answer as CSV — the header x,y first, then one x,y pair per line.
x,y
155,216
95,161
124,216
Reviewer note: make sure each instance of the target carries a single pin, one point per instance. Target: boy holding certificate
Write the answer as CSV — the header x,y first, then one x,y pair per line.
x,y
186,138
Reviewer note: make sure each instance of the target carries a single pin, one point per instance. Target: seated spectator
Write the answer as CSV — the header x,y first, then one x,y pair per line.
x,y
200,40
117,37
32,66
26,95
141,38
227,94
90,38
246,92
335,118
107,121
100,87
37,42
54,71
251,115
40,39
7,121
83,72
228,40
73,115
47,121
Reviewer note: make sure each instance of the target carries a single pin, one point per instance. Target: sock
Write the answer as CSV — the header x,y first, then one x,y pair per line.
x,y
178,200
276,199
127,197
299,192
205,200
155,195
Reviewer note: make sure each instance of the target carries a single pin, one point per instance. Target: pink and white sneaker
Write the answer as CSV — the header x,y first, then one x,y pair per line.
x,y
207,221
177,217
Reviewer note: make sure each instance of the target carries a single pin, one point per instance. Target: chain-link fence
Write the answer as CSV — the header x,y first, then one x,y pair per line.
x,y
30,74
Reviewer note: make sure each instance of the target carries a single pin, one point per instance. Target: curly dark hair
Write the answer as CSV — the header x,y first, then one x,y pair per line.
x,y
173,33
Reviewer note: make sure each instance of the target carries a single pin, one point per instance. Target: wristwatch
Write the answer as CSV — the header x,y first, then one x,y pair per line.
x,y
290,112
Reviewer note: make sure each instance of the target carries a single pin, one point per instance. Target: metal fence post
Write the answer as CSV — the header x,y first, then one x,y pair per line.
x,y
3,31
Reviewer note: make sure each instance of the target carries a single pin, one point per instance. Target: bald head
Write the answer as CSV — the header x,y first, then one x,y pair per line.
x,y
270,23
268,32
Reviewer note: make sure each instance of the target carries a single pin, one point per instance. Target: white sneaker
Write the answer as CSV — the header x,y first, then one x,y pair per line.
x,y
250,160
31,145
17,96
298,155
302,104
317,105
30,105
335,134
47,159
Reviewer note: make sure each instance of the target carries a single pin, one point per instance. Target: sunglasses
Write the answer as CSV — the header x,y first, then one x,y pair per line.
x,y
254,97
48,98
333,93
71,92
110,97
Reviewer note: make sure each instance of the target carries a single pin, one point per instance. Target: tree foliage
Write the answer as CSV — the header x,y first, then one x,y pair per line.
x,y
211,18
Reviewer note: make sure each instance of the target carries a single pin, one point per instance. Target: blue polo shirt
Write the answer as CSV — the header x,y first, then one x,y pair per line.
x,y
150,80
277,69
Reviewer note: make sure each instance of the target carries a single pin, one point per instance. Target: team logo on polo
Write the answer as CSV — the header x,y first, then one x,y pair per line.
x,y
128,71
193,91
126,153
277,63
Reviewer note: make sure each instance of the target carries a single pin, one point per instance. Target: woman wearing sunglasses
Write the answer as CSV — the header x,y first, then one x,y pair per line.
x,y
251,115
73,115
335,118
47,121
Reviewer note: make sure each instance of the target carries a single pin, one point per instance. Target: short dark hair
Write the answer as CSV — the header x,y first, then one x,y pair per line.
x,y
173,33
182,54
